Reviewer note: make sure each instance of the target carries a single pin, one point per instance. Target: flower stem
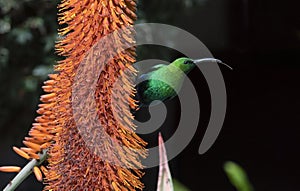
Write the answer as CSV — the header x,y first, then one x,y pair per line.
x,y
25,172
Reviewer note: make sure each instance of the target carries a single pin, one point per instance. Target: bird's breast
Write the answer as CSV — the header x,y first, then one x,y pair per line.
x,y
152,90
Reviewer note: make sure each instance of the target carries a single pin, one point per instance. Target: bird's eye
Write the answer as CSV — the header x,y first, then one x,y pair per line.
x,y
188,62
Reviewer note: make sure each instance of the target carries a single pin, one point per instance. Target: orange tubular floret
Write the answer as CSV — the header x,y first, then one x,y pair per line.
x,y
21,153
34,146
38,174
44,169
34,156
10,169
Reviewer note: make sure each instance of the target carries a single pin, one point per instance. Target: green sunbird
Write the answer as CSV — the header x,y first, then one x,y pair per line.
x,y
164,81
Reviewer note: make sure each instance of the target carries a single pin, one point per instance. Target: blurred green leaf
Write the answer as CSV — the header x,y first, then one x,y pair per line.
x,y
6,5
35,23
237,176
178,186
5,25
42,71
49,42
22,35
30,83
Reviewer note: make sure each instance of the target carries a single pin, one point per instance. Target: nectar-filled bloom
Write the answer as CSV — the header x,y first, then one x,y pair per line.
x,y
72,163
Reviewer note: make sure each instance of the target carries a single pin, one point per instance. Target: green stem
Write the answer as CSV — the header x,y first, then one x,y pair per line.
x,y
25,172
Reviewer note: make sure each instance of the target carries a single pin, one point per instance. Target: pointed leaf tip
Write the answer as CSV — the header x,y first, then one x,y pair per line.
x,y
164,182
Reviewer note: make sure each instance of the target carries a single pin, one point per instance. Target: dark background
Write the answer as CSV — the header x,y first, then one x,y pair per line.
x,y
259,39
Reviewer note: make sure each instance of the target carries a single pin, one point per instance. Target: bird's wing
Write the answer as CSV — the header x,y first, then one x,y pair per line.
x,y
143,77
158,66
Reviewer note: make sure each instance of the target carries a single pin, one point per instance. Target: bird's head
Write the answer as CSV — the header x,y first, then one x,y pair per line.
x,y
185,64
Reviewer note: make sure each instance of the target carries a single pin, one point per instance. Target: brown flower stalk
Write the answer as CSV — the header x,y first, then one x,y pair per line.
x,y
73,164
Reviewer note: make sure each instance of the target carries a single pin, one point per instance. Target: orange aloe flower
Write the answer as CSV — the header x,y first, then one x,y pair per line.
x,y
72,164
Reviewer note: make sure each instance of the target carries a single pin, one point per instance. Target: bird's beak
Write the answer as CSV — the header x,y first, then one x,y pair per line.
x,y
210,60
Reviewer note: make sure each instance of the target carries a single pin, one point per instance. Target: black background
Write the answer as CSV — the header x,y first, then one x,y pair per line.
x,y
260,40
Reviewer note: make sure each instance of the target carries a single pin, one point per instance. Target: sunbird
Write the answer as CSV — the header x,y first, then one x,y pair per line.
x,y
163,81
